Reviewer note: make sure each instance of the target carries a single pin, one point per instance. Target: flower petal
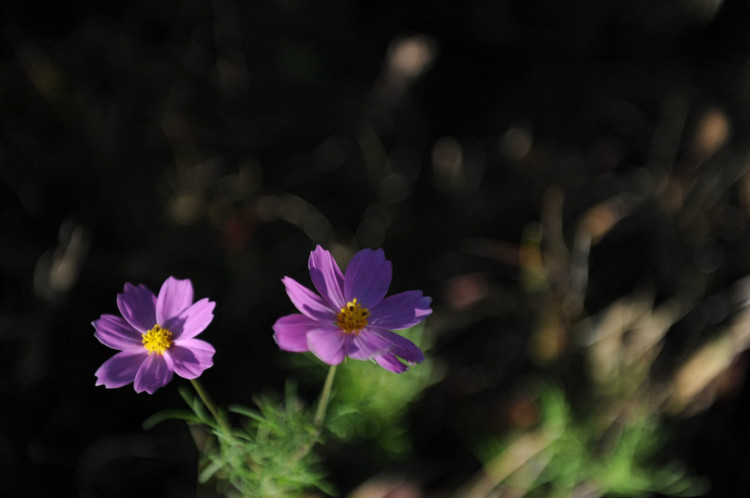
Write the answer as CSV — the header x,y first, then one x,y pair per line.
x,y
290,332
175,295
116,333
401,346
327,344
137,305
191,321
365,345
121,369
391,363
190,357
307,302
400,311
368,277
155,372
327,277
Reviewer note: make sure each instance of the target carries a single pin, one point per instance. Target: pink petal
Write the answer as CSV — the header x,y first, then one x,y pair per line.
x,y
121,369
116,333
137,305
368,277
307,302
327,277
391,363
190,357
366,345
155,372
400,311
401,346
327,344
175,295
290,332
192,321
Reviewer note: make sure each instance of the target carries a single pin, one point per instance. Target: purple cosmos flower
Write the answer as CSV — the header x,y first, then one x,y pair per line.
x,y
155,337
352,317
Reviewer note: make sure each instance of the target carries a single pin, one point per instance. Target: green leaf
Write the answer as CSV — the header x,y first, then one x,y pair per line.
x,y
161,416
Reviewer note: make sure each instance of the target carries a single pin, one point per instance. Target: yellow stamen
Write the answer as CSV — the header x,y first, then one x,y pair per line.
x,y
352,318
157,340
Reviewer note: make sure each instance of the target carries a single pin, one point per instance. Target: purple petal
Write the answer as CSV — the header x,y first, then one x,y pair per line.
x,y
155,371
327,277
174,296
121,369
307,302
368,277
192,321
400,311
391,363
190,357
365,345
116,333
137,305
352,349
290,332
399,345
327,344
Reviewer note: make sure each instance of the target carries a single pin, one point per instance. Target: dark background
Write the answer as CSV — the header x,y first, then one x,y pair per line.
x,y
220,141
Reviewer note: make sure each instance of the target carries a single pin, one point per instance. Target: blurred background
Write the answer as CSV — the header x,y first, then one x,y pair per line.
x,y
569,181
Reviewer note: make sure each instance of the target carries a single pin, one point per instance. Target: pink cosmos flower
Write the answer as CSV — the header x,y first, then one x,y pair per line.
x,y
155,337
351,316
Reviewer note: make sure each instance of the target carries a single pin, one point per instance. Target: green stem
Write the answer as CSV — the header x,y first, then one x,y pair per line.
x,y
203,395
320,415
325,395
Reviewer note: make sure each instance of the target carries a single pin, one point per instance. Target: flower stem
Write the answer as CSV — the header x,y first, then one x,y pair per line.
x,y
320,416
325,395
208,402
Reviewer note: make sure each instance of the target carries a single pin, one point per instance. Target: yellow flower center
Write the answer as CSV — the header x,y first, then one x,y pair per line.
x,y
157,340
352,318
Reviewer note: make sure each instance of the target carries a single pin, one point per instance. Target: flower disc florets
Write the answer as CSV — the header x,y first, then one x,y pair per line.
x,y
157,340
353,317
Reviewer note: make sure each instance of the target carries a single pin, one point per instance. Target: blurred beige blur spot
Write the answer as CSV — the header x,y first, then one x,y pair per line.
x,y
712,133
57,270
465,291
447,163
186,208
407,59
516,143
386,488
694,384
